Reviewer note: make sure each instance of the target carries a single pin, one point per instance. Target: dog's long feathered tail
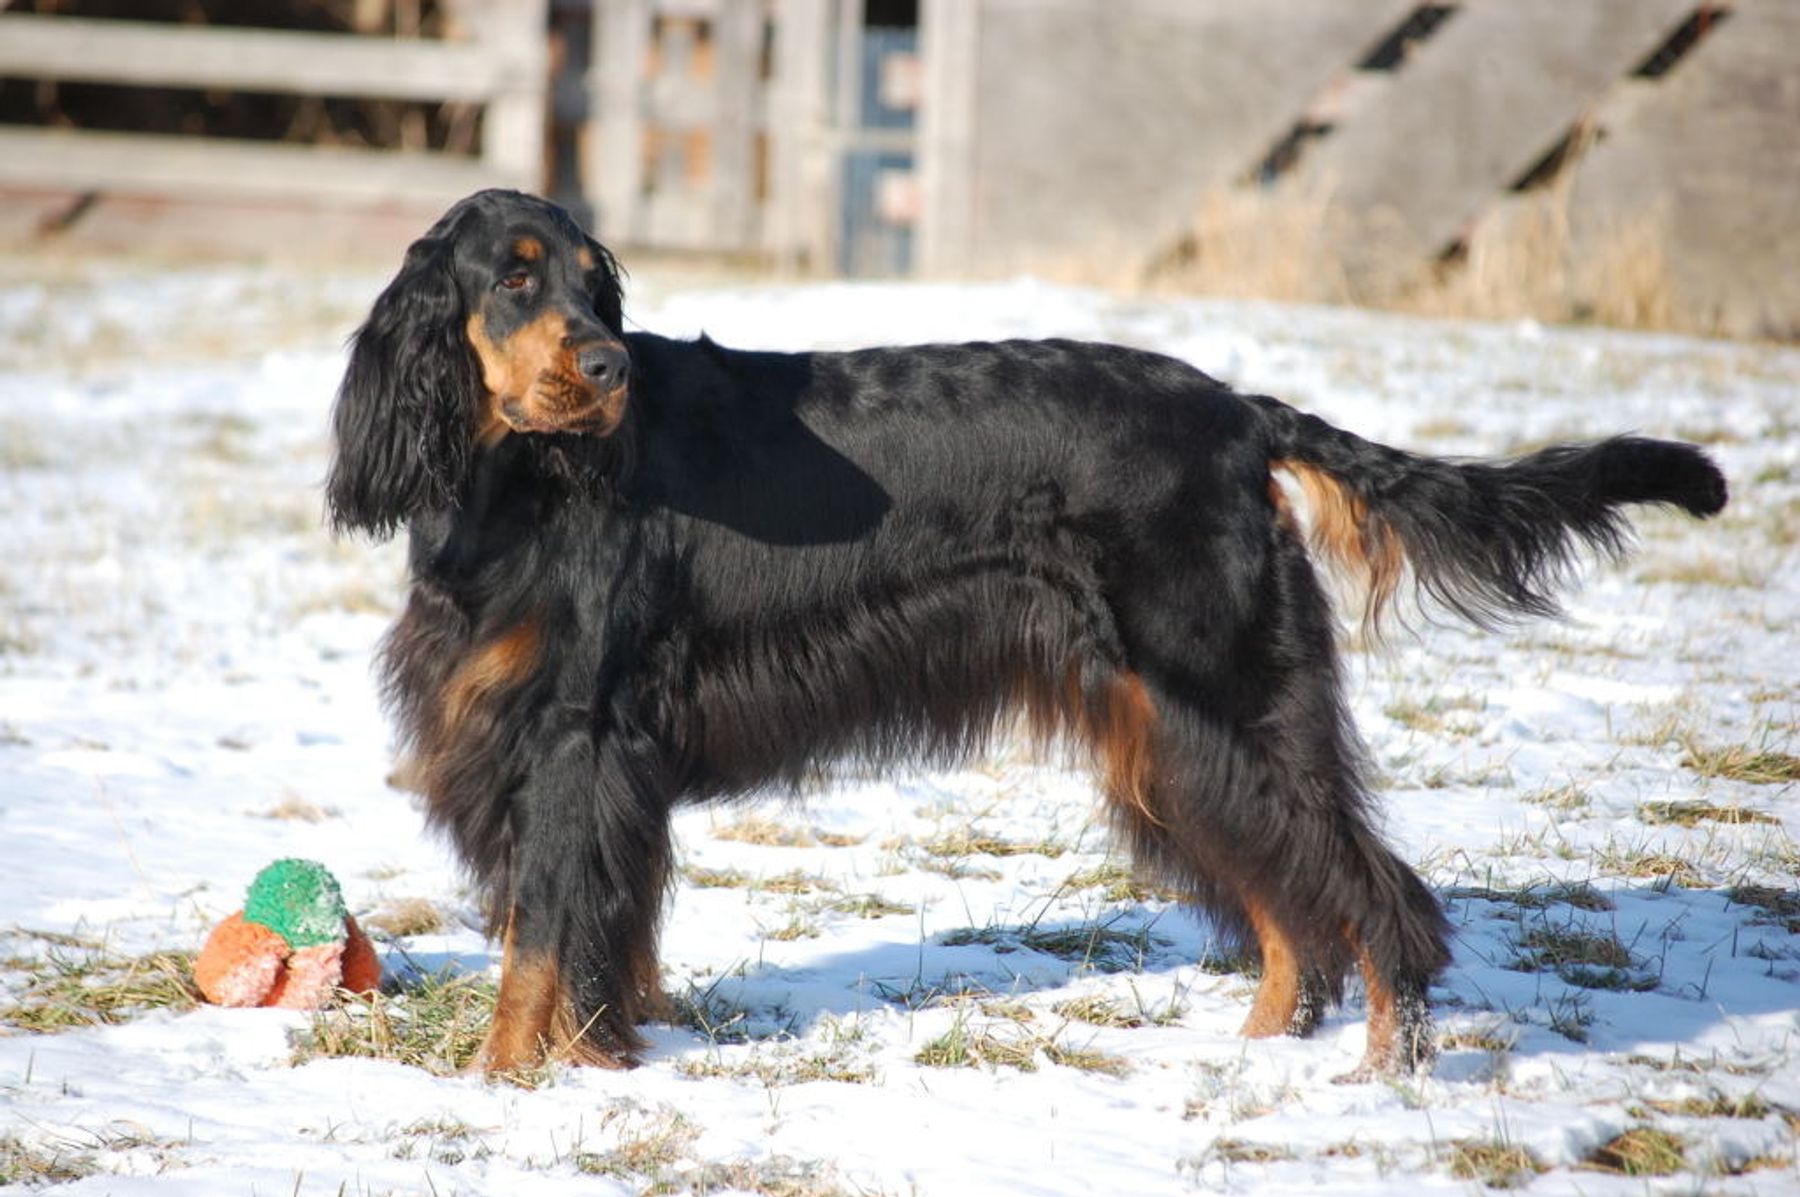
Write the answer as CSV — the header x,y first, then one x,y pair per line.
x,y
1489,541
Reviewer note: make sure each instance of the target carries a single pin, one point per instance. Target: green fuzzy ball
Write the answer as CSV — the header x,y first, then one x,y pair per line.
x,y
299,900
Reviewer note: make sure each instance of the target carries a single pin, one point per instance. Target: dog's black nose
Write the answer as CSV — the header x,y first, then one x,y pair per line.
x,y
606,364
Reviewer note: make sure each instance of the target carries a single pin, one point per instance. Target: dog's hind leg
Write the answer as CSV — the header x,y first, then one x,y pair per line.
x,y
1254,807
1336,886
1167,778
1173,795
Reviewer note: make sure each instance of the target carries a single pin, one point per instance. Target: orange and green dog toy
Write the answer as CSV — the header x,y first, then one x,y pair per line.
x,y
292,945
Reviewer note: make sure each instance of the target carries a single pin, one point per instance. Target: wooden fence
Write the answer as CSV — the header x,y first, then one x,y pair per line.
x,y
501,66
1418,131
1048,133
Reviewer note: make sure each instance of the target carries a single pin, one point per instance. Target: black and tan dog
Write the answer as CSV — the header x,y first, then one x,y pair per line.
x,y
649,572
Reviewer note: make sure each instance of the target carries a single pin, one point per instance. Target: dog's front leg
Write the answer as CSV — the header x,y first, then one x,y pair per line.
x,y
587,883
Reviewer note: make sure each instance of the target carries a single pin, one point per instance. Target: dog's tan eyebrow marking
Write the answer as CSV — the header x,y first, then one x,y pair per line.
x,y
528,249
585,258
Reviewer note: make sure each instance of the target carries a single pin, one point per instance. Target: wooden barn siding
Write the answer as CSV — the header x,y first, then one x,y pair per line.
x,y
1711,153
1103,124
1094,131
167,193
1480,103
502,66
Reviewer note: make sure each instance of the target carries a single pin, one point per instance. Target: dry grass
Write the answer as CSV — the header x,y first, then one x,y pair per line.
x,y
441,1140
1578,894
1248,1151
436,1024
717,878
769,833
1555,947
1570,1016
407,917
1246,244
648,1152
74,987
773,1176
1741,762
1780,907
1714,1105
794,882
710,1013
294,809
1491,1042
839,1058
1565,798
1496,1164
1524,259
1098,946
36,1165
865,906
1101,1011
1694,813
1663,868
1704,571
962,1047
797,927
1436,714
959,869
779,1071
1641,1151
964,841
1119,883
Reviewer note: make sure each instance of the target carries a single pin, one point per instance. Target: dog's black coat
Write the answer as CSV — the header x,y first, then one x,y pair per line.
x,y
778,560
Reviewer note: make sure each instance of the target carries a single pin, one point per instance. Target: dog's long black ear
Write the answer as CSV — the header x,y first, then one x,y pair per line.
x,y
405,415
609,287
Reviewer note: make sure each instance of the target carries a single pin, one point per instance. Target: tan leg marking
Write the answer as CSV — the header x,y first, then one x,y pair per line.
x,y
1278,996
1122,734
531,990
502,661
1384,1014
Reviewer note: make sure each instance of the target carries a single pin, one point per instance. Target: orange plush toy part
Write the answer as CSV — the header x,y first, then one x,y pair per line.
x,y
293,945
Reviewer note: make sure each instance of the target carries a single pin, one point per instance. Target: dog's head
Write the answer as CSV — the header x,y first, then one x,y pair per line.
x,y
504,319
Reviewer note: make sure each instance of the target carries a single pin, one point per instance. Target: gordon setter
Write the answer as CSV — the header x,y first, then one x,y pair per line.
x,y
649,572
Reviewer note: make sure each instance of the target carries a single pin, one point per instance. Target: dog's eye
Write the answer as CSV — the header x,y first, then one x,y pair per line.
x,y
518,280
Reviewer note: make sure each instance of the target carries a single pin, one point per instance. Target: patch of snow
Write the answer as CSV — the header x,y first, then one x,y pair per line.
x,y
185,695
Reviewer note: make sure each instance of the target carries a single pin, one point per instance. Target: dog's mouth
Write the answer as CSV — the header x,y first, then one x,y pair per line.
x,y
561,405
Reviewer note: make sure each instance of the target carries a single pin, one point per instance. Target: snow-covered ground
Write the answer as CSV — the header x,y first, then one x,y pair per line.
x,y
185,695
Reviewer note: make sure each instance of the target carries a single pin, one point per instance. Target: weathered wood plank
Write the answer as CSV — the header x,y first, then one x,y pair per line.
x,y
1708,155
738,92
1100,127
79,160
949,36
512,138
1481,102
614,169
800,226
268,60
